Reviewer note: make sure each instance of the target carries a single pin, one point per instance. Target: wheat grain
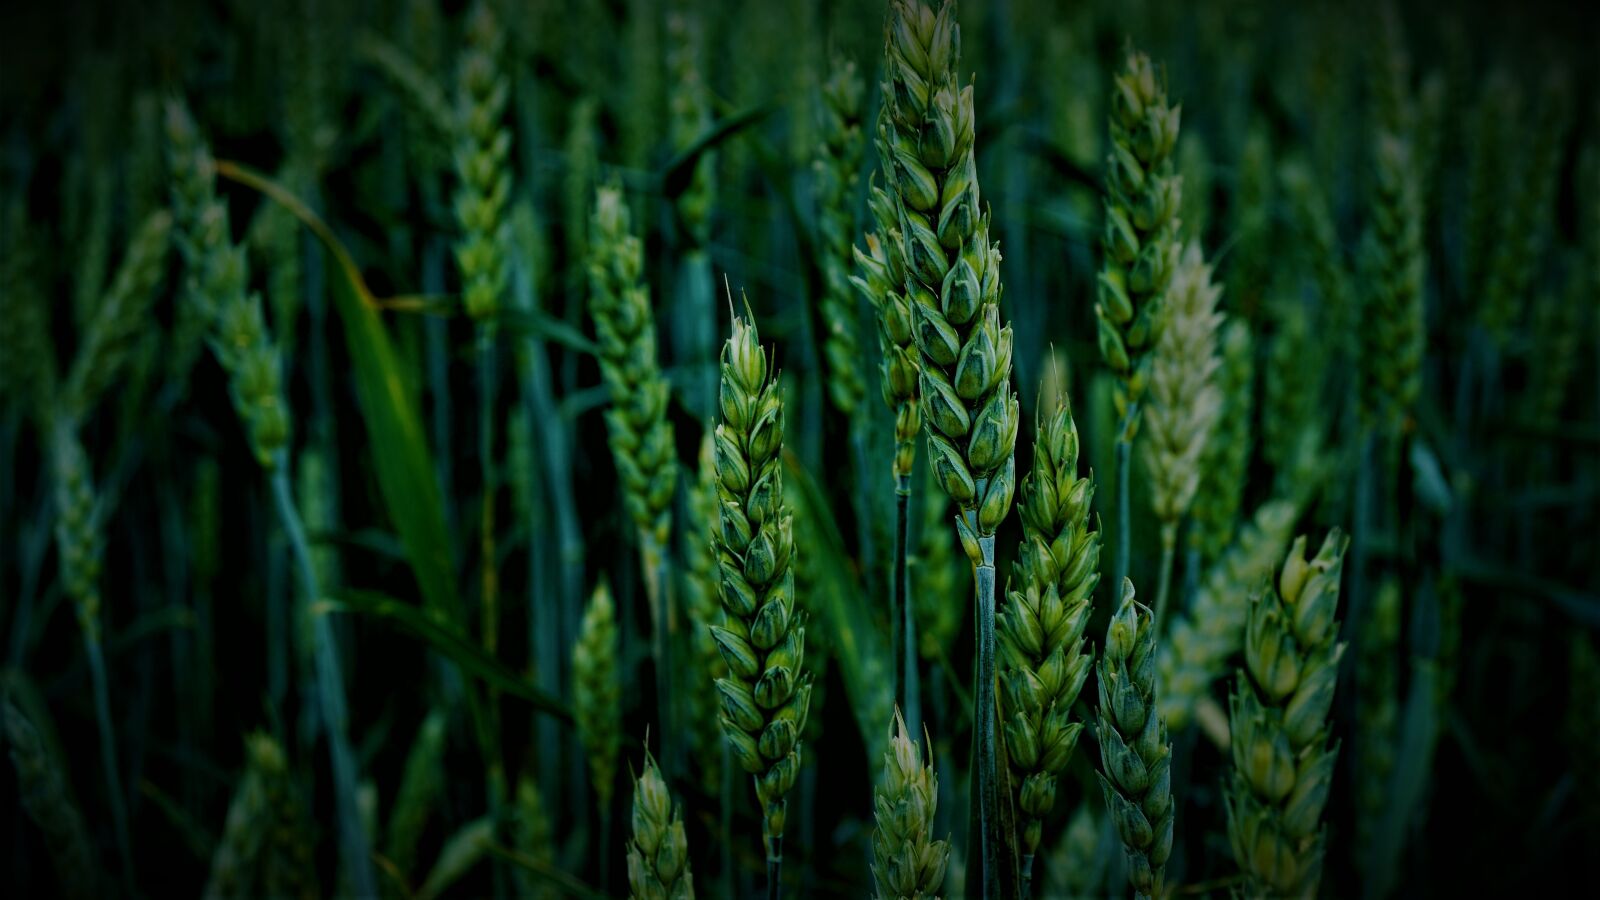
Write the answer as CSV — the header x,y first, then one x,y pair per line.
x,y
925,139
1518,252
421,783
531,836
1225,462
120,316
882,280
1282,764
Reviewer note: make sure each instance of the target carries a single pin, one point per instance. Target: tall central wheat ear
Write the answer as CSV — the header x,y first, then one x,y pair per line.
x,y
952,285
1044,657
1282,761
767,691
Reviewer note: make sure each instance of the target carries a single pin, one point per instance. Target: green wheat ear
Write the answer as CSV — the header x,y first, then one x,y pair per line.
x,y
1135,756
1140,243
1282,760
767,692
906,860
1045,659
597,690
47,799
658,854
483,166
838,166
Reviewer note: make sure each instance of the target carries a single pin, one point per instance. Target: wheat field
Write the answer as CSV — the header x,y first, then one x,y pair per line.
x,y
897,448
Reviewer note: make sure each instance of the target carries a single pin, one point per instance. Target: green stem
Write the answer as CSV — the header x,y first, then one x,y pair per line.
x,y
910,693
1124,529
1169,552
1026,872
108,748
657,572
989,798
353,838
725,823
774,866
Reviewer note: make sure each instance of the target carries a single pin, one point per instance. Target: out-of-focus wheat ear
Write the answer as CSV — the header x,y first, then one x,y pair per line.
x,y
1518,254
837,166
1226,461
597,691
1392,333
1211,631
48,802
121,316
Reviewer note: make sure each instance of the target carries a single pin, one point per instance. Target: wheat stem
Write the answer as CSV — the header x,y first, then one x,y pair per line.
x,y
108,752
352,836
988,769
1119,570
1169,549
909,695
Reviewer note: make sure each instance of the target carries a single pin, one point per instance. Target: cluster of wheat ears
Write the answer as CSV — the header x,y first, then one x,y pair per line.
x,y
396,626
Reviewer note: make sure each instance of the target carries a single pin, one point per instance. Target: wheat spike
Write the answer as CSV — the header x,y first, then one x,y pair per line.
x,y
906,861
1140,242
1135,757
597,691
658,855
1282,761
1184,398
483,166
838,162
47,801
767,692
1044,657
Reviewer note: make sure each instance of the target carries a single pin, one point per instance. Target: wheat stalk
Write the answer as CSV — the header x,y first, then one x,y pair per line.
x,y
243,345
925,135
906,861
658,856
1378,712
1044,659
763,637
1135,757
1282,764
